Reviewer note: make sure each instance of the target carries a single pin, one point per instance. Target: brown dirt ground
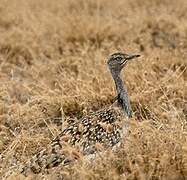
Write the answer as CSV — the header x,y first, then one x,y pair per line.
x,y
53,62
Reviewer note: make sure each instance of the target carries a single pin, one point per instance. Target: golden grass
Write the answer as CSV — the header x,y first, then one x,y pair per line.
x,y
53,63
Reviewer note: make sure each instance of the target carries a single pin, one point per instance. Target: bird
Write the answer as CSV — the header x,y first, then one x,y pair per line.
x,y
103,128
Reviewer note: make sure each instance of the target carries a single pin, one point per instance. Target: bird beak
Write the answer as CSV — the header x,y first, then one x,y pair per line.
x,y
129,57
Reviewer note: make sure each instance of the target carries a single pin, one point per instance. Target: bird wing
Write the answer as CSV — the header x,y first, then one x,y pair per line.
x,y
92,132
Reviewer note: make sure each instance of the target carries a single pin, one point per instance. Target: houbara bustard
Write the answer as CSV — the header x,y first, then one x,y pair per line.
x,y
104,127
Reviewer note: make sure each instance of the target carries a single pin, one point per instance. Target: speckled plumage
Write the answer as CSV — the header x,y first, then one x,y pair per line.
x,y
103,128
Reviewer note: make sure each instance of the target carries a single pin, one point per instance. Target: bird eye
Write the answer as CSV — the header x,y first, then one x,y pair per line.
x,y
119,59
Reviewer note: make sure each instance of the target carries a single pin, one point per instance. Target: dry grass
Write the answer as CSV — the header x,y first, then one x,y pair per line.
x,y
53,60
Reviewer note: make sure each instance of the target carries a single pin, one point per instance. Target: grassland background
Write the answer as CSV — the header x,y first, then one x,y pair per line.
x,y
53,63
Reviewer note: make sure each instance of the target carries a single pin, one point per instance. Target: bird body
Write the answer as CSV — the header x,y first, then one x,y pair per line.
x,y
101,129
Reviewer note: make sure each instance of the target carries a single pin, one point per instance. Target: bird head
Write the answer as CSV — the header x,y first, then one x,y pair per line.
x,y
117,61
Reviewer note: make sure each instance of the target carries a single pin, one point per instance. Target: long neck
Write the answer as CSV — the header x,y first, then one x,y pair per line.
x,y
122,95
